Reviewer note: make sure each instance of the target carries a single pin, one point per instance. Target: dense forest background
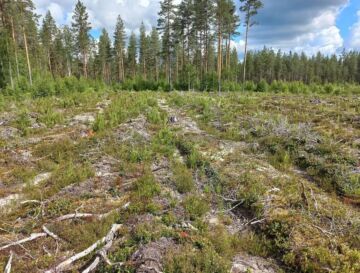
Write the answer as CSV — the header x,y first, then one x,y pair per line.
x,y
189,49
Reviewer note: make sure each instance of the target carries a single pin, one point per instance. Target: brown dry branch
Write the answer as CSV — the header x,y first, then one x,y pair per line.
x,y
32,237
107,240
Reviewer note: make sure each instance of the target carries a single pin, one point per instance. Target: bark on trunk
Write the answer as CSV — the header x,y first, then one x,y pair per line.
x,y
27,57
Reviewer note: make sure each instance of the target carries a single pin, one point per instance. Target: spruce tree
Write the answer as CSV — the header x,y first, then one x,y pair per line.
x,y
143,49
154,52
47,37
104,55
68,43
119,46
132,55
81,28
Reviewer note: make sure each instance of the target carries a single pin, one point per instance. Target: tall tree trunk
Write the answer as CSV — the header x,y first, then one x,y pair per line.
x,y
15,47
50,65
219,61
27,57
228,50
122,67
144,69
156,69
120,70
10,65
85,64
68,65
245,56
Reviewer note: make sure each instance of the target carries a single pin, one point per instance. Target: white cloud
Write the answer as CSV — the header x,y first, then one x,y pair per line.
x,y
355,34
104,13
297,25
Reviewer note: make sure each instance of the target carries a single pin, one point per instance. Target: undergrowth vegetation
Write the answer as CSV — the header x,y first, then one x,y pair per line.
x,y
197,180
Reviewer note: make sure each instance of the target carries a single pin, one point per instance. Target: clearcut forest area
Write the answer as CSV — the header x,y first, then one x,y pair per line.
x,y
167,149
196,182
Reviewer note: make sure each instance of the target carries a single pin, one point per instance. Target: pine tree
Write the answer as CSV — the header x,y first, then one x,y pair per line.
x,y
220,18
154,53
250,8
81,28
165,25
47,36
143,49
105,55
28,26
119,45
68,43
132,54
231,25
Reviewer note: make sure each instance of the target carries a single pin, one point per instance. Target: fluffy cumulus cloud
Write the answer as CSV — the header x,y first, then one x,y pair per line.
x,y
355,34
103,14
297,25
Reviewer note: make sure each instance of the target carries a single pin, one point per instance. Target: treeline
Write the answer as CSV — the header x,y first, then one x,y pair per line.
x,y
189,49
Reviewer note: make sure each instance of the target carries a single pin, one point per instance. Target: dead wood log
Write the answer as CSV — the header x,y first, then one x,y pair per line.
x,y
107,240
89,215
8,265
32,237
92,266
75,216
51,234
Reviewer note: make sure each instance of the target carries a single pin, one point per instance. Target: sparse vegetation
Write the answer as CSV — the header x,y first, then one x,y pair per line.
x,y
242,174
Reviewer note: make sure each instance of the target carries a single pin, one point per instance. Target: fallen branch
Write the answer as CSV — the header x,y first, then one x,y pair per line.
x,y
89,215
51,234
107,240
75,216
92,266
32,237
234,207
8,265
227,199
258,221
327,233
31,202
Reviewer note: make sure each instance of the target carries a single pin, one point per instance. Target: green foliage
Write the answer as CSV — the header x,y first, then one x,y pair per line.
x,y
183,178
195,206
23,123
192,260
262,86
99,124
59,207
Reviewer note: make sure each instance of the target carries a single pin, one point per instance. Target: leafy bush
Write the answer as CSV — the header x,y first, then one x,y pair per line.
x,y
188,259
195,206
183,178
262,86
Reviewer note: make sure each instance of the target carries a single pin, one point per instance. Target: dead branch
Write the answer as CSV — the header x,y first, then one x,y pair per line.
x,y
314,199
227,199
30,202
8,265
304,195
258,221
51,234
75,216
107,240
92,266
327,233
32,237
89,215
239,203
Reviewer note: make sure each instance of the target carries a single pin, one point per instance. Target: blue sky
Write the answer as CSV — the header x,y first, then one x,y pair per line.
x,y
297,25
347,18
